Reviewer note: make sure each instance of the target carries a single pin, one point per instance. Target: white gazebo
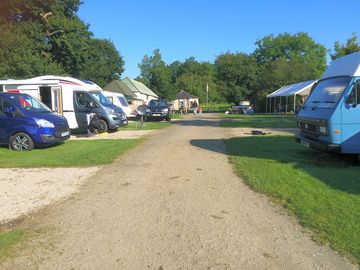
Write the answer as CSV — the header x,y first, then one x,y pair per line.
x,y
297,89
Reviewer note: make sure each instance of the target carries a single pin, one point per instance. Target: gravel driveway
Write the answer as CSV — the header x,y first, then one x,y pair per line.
x,y
171,203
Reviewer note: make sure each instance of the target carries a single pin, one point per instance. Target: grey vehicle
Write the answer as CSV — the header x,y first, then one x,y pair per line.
x,y
87,102
158,109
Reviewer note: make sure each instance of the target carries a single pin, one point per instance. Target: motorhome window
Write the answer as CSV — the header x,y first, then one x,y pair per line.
x,y
327,92
123,101
101,98
90,103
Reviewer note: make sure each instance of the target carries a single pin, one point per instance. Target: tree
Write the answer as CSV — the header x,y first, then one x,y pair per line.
x,y
47,37
236,76
352,45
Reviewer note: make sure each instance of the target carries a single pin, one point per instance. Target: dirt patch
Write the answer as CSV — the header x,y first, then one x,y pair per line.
x,y
243,132
25,190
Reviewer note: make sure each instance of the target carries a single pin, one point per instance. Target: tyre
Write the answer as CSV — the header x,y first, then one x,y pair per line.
x,y
168,118
103,126
21,142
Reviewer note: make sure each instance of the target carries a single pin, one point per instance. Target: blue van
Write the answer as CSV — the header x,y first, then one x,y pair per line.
x,y
25,122
330,118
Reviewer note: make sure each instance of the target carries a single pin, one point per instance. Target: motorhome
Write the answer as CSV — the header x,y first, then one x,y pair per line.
x,y
73,98
330,118
119,100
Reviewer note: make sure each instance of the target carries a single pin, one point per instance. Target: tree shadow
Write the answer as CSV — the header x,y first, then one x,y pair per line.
x,y
339,172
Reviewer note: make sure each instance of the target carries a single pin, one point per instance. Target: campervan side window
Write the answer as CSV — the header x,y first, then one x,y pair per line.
x,y
354,97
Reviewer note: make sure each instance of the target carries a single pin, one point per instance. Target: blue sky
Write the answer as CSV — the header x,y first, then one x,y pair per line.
x,y
204,29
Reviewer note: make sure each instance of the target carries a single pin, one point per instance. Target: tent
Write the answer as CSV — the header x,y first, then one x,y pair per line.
x,y
297,89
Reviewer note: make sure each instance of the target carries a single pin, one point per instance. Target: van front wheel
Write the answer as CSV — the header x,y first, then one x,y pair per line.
x,y
103,126
21,142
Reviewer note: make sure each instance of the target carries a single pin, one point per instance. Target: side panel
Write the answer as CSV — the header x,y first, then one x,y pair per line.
x,y
350,130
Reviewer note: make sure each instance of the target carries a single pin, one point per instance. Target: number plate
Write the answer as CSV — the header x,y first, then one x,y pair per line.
x,y
305,143
66,133
156,114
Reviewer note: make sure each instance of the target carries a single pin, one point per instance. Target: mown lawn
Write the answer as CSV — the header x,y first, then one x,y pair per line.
x,y
145,126
321,189
69,154
259,123
256,115
8,239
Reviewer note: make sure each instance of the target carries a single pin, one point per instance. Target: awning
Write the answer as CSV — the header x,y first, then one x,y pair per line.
x,y
301,89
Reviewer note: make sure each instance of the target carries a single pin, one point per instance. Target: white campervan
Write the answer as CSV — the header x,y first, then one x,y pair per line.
x,y
119,100
73,98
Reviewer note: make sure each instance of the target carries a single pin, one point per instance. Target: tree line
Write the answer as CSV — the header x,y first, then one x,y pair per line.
x,y
47,37
276,61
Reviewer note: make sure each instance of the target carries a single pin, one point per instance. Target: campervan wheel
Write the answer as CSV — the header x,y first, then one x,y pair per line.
x,y
103,126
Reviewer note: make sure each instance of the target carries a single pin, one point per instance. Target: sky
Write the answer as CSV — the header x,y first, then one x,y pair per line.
x,y
204,29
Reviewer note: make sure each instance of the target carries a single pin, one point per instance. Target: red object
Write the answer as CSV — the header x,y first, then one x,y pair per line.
x,y
13,91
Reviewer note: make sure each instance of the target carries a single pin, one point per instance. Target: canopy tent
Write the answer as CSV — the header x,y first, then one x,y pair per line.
x,y
297,89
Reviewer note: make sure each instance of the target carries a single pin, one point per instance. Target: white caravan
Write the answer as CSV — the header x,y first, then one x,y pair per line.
x,y
119,100
71,97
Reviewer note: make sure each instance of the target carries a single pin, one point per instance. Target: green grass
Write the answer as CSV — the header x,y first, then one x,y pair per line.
x,y
259,123
8,240
321,189
146,126
68,154
176,116
256,115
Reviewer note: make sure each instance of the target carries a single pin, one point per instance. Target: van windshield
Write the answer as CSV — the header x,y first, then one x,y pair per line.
x,y
327,93
101,98
123,101
29,103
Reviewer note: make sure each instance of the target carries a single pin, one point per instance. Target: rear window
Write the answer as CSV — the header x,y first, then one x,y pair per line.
x,y
123,101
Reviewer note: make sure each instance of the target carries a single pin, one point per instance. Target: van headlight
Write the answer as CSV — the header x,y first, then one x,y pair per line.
x,y
165,110
44,123
323,130
111,111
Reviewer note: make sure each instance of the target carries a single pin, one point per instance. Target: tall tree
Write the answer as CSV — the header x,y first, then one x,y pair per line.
x,y
236,76
352,45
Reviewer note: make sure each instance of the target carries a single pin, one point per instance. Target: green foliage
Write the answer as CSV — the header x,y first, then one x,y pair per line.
x,y
286,59
236,76
72,153
259,123
62,46
352,45
321,189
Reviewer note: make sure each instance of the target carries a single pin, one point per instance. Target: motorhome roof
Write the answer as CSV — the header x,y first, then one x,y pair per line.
x,y
348,65
32,81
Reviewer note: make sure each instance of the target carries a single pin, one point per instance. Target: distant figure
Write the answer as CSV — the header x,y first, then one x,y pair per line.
x,y
194,107
185,106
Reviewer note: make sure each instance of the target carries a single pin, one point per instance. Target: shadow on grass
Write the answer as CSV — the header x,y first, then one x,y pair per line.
x,y
337,171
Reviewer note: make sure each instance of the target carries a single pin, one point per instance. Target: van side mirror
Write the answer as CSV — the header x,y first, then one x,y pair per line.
x,y
357,92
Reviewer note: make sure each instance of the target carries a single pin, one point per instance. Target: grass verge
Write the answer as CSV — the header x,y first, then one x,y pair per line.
x,y
8,240
253,123
322,190
256,115
69,154
145,126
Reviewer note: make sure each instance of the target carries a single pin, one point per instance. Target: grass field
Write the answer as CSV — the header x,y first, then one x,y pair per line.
x,y
259,123
146,126
68,154
256,115
8,239
321,189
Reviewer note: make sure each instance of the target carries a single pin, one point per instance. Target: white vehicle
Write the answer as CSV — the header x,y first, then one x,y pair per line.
x,y
119,100
73,98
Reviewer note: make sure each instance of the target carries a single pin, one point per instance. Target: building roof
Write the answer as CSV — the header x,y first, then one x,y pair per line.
x,y
136,86
348,65
301,88
185,95
120,87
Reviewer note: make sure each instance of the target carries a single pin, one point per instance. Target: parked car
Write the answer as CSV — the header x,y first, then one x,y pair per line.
x,y
158,109
25,122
